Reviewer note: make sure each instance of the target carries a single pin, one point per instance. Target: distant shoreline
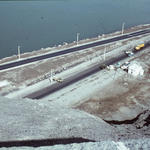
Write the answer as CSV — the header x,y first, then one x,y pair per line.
x,y
68,45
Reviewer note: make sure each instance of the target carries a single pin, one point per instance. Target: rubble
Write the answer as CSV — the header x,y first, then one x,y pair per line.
x,y
135,69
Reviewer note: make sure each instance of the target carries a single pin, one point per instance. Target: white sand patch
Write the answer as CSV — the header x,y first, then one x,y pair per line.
x,y
4,83
121,146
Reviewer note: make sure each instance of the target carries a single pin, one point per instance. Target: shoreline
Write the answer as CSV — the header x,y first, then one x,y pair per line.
x,y
73,44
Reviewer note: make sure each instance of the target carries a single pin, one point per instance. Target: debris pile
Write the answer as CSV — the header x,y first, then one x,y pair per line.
x,y
135,69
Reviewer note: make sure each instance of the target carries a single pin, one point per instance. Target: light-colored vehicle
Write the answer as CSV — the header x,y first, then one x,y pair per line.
x,y
125,66
129,53
111,67
117,65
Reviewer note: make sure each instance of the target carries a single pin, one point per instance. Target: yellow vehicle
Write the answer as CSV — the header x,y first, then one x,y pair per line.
x,y
139,47
58,80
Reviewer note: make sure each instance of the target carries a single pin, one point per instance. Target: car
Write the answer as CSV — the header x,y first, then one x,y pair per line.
x,y
118,64
129,53
111,67
58,80
125,65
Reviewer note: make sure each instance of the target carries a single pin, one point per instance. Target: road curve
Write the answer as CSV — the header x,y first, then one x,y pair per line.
x,y
74,49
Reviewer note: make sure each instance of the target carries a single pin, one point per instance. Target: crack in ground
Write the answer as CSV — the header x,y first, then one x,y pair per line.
x,y
141,120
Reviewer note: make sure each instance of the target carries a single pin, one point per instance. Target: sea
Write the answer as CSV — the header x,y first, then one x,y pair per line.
x,y
39,24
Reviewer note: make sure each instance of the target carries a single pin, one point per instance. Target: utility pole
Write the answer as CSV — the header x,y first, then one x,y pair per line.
x,y
78,37
51,77
18,51
105,53
123,27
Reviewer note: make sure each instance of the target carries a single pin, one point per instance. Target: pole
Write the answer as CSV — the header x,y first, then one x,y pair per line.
x,y
18,51
78,37
123,27
105,53
51,78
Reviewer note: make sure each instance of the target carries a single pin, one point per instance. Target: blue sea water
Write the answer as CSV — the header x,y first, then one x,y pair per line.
x,y
37,24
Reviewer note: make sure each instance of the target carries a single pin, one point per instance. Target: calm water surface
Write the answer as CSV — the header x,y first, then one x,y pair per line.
x,y
37,24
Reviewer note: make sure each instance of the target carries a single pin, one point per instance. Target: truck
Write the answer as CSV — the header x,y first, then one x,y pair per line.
x,y
138,47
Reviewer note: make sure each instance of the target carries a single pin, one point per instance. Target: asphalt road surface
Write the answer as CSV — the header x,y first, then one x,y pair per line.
x,y
70,50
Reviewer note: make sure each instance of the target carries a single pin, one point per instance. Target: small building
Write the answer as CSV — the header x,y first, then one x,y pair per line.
x,y
135,69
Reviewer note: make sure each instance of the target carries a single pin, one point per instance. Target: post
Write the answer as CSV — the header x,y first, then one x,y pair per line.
x,y
78,37
51,78
105,53
18,51
123,28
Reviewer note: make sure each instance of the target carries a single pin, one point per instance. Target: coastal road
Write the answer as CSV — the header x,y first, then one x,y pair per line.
x,y
70,50
83,74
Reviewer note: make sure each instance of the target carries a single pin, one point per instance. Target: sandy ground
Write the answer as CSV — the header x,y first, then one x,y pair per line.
x,y
122,96
111,98
115,96
23,119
